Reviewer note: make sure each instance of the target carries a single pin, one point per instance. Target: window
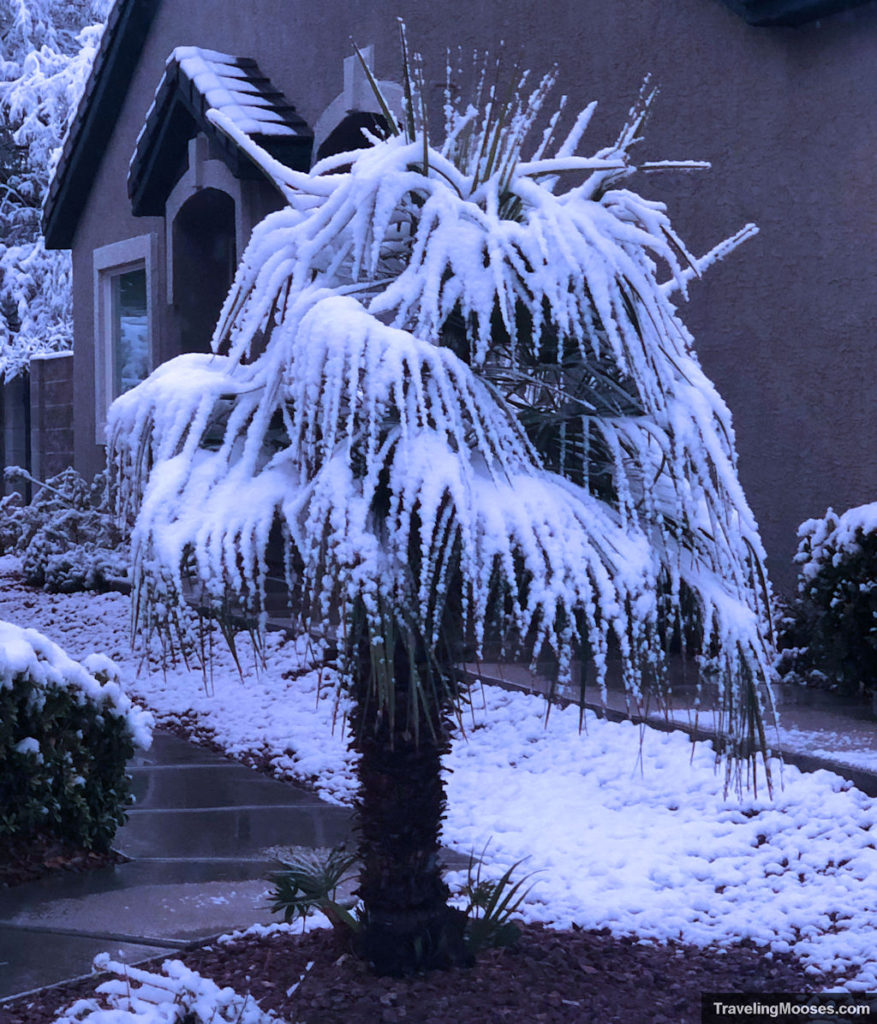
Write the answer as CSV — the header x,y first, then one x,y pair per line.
x,y
129,327
123,354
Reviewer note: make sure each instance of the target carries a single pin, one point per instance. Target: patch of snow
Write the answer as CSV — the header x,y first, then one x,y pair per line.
x,y
226,88
312,922
28,745
43,357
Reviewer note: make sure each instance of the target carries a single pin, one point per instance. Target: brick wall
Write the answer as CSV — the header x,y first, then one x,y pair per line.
x,y
51,402
14,429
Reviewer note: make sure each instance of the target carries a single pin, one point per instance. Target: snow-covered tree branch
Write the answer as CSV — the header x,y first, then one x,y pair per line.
x,y
46,51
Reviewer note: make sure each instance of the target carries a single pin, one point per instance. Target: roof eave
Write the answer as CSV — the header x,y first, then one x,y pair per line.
x,y
95,120
788,13
179,109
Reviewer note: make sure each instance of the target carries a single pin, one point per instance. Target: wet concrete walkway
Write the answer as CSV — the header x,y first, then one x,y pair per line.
x,y
201,840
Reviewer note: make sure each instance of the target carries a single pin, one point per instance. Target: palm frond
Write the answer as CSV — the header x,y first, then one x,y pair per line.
x,y
452,378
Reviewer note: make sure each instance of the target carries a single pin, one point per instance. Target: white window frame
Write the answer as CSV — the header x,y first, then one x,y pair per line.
x,y
138,253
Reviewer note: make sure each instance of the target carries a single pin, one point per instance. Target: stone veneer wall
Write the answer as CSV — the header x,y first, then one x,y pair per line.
x,y
51,419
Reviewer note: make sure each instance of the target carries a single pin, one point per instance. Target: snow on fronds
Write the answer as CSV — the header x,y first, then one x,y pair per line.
x,y
25,652
174,996
454,386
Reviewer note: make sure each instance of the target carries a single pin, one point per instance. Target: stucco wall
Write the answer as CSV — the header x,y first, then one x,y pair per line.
x,y
785,327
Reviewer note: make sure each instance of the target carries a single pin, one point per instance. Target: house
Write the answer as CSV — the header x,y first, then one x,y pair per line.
x,y
779,95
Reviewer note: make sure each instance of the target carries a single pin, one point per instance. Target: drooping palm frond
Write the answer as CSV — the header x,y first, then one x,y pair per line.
x,y
484,414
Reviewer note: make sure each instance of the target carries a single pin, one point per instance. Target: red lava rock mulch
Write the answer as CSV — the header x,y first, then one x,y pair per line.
x,y
570,977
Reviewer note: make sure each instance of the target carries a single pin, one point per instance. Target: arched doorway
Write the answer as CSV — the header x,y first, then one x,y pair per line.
x,y
204,260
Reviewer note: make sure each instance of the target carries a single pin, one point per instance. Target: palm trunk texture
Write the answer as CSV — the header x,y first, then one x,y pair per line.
x,y
407,925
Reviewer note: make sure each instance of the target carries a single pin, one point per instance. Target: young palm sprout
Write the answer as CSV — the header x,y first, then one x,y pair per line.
x,y
452,383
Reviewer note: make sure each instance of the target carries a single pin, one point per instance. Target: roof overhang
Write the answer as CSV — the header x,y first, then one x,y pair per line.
x,y
788,12
90,132
196,81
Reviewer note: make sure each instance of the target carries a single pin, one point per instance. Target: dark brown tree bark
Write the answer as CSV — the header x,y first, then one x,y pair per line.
x,y
407,925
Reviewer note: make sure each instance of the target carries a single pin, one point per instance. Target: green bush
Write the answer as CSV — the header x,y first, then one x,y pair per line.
x,y
830,637
67,537
66,733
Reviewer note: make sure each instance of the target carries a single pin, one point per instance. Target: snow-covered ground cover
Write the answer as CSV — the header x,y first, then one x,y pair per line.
x,y
630,830
28,653
624,829
177,994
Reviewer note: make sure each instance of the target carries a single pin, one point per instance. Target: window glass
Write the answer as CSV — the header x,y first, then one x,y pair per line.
x,y
129,325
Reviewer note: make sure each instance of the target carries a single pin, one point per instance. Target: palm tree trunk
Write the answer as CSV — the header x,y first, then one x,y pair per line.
x,y
407,925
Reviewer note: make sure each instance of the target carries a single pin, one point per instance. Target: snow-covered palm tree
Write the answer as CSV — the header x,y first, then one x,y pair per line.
x,y
451,386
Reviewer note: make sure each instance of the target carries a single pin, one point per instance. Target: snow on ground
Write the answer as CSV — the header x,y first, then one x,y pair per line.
x,y
854,747
623,828
845,737
630,830
285,710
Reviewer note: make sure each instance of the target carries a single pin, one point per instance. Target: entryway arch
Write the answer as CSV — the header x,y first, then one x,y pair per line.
x,y
204,242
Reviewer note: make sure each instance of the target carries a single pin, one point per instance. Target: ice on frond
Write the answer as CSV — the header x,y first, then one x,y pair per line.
x,y
449,388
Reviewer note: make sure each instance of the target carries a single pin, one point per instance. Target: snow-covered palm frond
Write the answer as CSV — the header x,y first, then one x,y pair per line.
x,y
462,397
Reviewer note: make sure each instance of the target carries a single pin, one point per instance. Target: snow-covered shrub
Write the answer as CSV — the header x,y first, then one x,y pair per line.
x,y
176,996
831,635
67,731
67,537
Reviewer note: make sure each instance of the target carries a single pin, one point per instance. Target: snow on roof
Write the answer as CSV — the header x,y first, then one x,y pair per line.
x,y
229,85
198,84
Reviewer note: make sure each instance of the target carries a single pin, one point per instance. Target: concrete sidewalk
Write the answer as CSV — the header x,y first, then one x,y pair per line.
x,y
201,840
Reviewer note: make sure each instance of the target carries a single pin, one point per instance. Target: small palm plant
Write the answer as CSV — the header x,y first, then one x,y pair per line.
x,y
309,880
451,387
